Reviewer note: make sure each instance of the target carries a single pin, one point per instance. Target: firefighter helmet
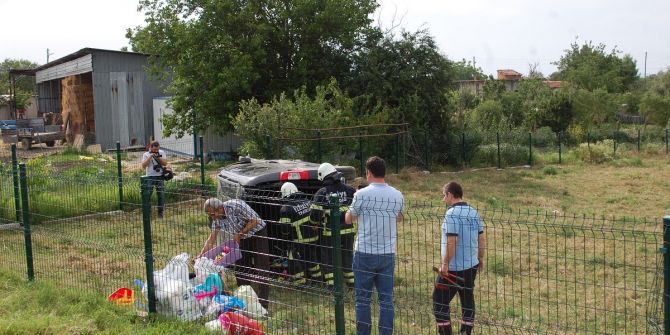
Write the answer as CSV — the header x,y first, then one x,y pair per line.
x,y
325,170
288,189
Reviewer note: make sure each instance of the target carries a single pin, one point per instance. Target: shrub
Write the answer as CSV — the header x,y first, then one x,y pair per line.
x,y
599,152
550,170
510,155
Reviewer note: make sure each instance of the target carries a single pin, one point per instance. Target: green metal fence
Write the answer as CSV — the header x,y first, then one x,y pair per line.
x,y
544,273
474,148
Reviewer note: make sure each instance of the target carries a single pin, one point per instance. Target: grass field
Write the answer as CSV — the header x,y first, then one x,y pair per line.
x,y
572,249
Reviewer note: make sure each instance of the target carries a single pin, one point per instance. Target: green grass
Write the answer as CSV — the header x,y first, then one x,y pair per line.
x,y
72,183
45,307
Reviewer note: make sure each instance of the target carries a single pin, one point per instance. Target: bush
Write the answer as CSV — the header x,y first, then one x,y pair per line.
x,y
510,155
599,152
545,137
455,153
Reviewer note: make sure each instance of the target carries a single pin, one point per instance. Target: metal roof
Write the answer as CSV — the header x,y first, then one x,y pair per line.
x,y
80,53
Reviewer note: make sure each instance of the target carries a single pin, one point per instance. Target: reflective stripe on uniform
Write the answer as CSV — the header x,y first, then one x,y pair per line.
x,y
328,232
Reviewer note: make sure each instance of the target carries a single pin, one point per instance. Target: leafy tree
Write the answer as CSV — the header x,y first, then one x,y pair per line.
x,y
591,109
25,86
655,102
591,67
489,115
220,52
465,70
405,75
263,124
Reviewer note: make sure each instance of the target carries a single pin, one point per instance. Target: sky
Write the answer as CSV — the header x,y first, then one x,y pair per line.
x,y
495,34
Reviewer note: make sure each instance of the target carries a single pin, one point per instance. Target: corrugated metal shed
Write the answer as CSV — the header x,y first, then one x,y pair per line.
x,y
212,142
122,92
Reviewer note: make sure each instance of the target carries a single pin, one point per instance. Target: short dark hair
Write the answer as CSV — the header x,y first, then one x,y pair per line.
x,y
376,166
155,144
454,188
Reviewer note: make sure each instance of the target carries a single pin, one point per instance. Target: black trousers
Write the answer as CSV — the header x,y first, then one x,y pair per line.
x,y
347,245
445,291
254,266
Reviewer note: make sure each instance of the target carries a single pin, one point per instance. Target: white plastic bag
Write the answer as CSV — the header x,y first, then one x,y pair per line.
x,y
176,268
184,305
253,309
203,267
174,293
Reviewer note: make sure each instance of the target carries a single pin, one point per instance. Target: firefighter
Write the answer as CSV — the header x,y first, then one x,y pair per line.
x,y
303,238
319,215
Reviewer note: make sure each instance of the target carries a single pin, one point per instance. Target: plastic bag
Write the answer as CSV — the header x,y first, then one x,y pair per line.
x,y
185,306
254,308
174,294
176,268
224,303
235,324
203,267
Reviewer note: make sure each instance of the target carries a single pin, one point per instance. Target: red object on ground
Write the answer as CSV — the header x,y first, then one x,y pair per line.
x,y
122,296
239,324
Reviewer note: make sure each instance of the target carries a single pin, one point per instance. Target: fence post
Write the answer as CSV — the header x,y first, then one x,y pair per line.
x,y
337,263
498,142
26,222
15,179
638,140
318,145
666,141
463,148
614,140
425,135
666,273
530,149
397,153
119,173
588,140
360,153
148,249
202,162
560,160
195,144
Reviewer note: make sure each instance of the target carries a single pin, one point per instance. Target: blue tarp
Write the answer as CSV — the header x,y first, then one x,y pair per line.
x,y
8,124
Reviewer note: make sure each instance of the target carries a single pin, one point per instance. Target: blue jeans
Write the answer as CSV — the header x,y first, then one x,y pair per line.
x,y
374,270
159,184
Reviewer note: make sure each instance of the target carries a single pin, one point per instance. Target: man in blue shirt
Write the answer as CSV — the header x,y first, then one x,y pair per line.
x,y
377,209
462,249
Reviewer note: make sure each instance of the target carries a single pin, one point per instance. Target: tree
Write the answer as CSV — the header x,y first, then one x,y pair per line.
x,y
590,67
220,52
534,71
405,75
261,124
465,70
655,102
25,86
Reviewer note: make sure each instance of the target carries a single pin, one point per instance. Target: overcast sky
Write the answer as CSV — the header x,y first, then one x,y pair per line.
x,y
497,34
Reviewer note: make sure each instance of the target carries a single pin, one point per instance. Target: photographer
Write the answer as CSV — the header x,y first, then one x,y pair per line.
x,y
154,161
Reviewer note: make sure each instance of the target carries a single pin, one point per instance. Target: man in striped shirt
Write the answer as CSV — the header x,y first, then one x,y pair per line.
x,y
248,229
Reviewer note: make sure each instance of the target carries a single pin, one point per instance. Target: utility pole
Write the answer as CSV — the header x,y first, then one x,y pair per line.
x,y
49,54
645,64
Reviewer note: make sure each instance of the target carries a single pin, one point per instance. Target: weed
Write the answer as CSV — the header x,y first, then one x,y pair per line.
x,y
550,170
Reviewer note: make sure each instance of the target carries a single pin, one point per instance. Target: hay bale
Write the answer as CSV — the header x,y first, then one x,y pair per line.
x,y
94,149
77,106
78,142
